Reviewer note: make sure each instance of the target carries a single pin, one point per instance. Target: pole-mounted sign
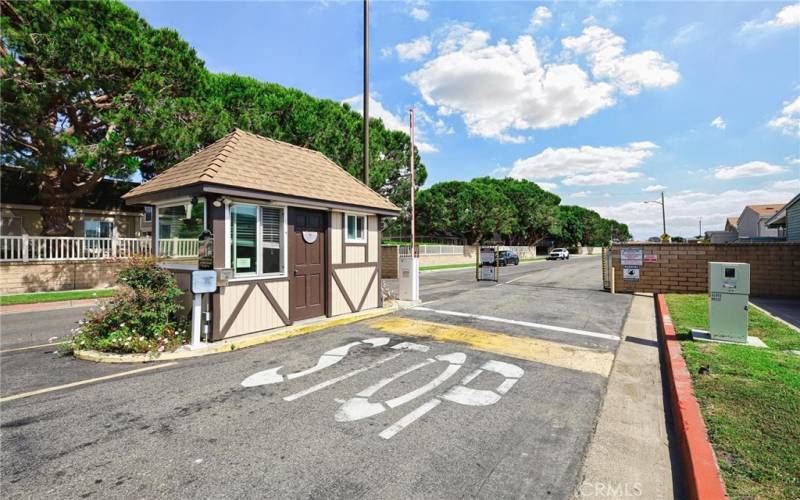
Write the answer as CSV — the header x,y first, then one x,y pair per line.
x,y
487,264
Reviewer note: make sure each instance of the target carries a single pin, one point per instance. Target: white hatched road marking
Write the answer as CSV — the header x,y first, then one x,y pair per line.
x,y
528,324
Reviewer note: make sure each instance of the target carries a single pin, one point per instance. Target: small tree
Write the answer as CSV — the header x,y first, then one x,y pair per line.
x,y
90,90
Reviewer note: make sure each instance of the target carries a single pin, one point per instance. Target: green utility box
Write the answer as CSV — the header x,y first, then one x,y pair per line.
x,y
729,293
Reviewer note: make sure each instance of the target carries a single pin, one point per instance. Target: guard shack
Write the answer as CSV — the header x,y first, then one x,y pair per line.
x,y
294,236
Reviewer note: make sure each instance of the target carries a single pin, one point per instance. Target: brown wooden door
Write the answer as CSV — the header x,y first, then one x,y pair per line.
x,y
308,275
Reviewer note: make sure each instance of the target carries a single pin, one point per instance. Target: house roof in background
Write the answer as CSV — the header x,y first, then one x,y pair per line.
x,y
248,161
765,210
19,186
733,221
779,218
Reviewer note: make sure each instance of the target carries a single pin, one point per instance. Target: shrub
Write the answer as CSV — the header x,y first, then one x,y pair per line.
x,y
140,318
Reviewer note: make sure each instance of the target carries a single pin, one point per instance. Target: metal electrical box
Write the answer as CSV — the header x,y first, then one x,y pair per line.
x,y
729,293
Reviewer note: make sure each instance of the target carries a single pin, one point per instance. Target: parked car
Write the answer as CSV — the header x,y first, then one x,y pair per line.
x,y
558,254
507,257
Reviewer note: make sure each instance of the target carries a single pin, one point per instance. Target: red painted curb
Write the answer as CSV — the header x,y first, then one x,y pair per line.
x,y
704,481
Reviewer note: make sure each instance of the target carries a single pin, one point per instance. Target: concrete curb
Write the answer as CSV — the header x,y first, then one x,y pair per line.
x,y
699,462
235,343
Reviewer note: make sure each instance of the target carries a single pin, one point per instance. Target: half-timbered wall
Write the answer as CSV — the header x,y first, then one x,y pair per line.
x,y
247,307
355,277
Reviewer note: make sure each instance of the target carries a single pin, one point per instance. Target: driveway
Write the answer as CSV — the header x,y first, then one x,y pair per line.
x,y
486,391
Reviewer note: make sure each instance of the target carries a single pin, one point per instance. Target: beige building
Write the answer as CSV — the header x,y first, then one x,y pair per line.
x,y
100,214
295,236
752,223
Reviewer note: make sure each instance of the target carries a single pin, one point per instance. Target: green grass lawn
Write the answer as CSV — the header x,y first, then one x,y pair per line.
x,y
750,401
33,298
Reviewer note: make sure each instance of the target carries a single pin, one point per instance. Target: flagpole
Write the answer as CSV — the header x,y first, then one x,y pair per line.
x,y
413,187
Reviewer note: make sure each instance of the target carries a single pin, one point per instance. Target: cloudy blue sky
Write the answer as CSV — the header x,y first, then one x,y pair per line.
x,y
604,103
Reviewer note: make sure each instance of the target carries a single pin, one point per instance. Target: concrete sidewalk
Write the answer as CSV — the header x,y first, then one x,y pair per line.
x,y
629,455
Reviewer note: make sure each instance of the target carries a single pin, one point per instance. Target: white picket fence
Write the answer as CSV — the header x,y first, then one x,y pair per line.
x,y
42,248
434,250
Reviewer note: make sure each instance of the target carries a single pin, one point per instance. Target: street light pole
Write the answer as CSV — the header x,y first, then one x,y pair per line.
x,y
663,215
365,96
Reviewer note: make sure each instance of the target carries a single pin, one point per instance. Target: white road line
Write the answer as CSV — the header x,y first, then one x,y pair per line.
x,y
27,348
521,323
332,381
409,419
84,382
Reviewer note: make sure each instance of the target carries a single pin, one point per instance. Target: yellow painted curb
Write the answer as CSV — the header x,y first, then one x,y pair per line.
x,y
236,343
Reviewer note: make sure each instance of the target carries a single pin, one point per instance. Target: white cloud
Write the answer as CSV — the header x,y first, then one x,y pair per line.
x,y
541,16
547,186
749,169
787,17
605,51
419,14
505,87
590,20
685,209
386,52
687,34
787,185
500,87
719,123
587,165
580,194
653,188
789,120
390,120
413,50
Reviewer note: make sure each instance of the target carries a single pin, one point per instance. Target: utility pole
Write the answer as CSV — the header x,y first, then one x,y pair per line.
x,y
663,216
413,187
701,228
366,92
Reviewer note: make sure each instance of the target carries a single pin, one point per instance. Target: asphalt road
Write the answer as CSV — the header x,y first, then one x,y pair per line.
x,y
430,403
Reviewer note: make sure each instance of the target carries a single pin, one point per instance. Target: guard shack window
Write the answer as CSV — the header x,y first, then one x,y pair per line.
x,y
356,230
257,240
178,229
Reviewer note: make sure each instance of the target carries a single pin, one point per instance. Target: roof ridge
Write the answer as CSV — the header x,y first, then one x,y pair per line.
x,y
218,160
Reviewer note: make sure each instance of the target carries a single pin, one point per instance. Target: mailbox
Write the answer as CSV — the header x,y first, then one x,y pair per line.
x,y
729,294
204,281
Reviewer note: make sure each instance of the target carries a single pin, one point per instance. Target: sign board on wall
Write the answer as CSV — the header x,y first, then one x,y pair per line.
x,y
631,256
205,251
650,257
630,273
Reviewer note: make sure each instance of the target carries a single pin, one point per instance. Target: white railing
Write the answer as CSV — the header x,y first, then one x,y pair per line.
x,y
424,250
41,248
433,250
177,247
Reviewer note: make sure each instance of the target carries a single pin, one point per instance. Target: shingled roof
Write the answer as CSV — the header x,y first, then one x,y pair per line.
x,y
248,161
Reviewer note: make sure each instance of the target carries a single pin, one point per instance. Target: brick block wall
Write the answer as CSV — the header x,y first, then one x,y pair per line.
x,y
683,267
23,277
389,261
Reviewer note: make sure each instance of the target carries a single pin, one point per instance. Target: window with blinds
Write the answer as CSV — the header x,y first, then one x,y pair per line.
x,y
257,241
271,240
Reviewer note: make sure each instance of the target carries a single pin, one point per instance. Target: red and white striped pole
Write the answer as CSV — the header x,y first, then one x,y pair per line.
x,y
413,188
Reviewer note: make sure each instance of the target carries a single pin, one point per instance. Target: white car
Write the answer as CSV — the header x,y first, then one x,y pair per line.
x,y
558,254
